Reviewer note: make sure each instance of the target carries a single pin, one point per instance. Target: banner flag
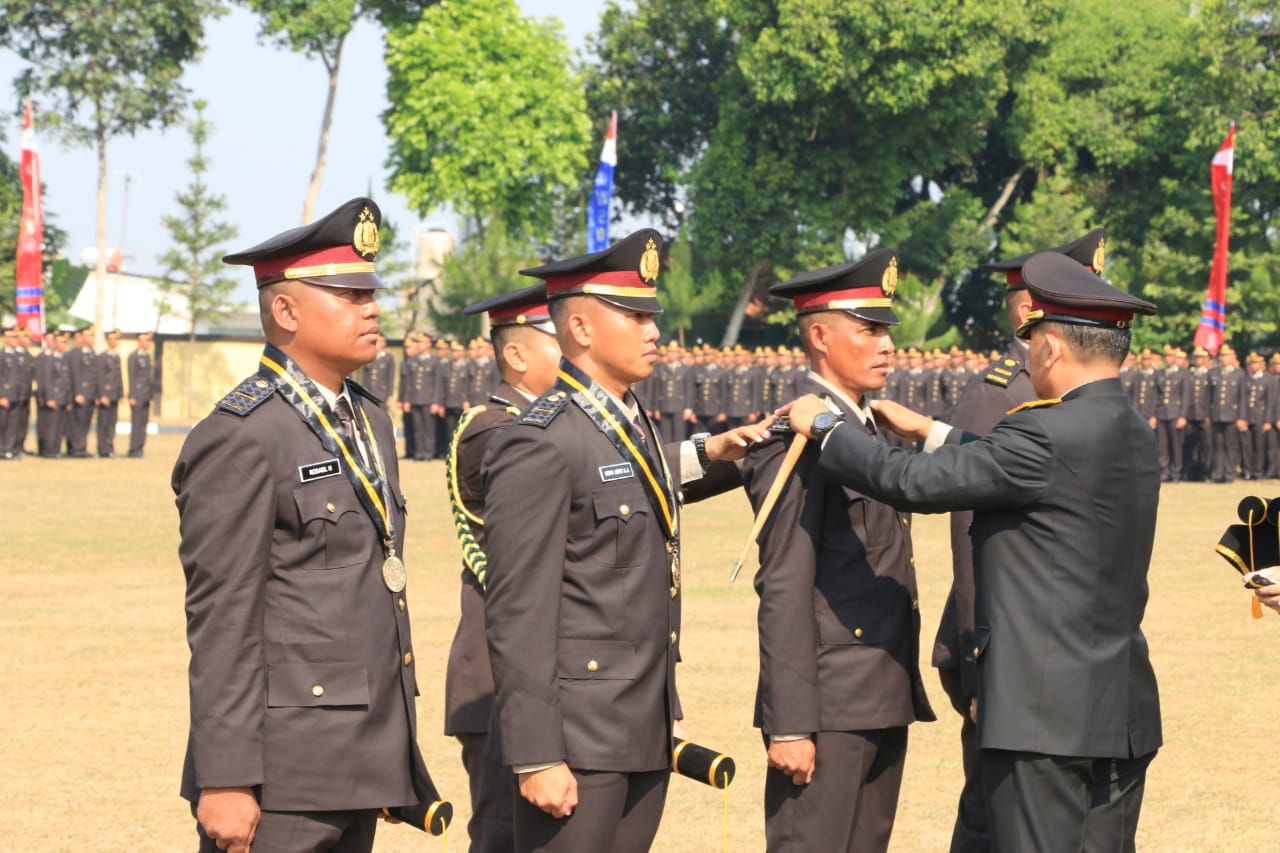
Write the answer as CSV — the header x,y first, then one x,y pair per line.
x,y
602,191
1212,329
29,281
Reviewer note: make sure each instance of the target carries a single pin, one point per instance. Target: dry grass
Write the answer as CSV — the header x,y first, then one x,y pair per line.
x,y
93,686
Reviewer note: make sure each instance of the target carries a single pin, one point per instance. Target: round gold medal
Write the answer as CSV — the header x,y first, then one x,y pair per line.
x,y
393,574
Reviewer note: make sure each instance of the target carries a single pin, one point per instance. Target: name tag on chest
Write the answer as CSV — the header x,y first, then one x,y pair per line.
x,y
621,471
319,470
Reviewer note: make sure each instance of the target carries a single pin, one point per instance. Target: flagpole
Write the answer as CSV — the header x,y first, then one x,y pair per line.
x,y
598,209
1211,332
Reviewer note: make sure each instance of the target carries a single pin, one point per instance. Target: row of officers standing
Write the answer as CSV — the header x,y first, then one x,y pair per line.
x,y
69,385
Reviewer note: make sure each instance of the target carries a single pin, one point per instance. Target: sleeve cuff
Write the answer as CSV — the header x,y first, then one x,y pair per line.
x,y
784,738
534,768
690,467
937,436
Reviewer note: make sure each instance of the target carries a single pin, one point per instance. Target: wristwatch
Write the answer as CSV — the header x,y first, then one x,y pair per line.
x,y
823,423
700,447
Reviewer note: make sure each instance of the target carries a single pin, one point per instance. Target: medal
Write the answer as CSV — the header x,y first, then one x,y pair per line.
x,y
673,548
393,574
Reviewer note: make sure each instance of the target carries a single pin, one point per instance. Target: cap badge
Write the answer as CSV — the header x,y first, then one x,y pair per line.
x,y
889,281
649,261
365,239
1100,256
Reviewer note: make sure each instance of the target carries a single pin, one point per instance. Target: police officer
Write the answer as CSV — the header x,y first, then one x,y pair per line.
x,y
527,353
378,376
1226,393
839,621
582,533
302,676
1063,767
109,391
1197,453
1255,409
82,364
53,394
141,377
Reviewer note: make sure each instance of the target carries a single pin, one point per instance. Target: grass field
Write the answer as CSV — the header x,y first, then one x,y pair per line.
x,y
94,702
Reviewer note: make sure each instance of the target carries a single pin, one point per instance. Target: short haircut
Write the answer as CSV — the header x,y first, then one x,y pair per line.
x,y
1094,343
500,336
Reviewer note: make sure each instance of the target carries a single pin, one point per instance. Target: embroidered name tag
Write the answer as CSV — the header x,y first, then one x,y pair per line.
x,y
319,470
621,471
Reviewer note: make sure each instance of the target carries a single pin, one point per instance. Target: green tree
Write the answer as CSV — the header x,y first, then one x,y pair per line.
x,y
684,294
483,268
318,29
102,72
487,116
196,282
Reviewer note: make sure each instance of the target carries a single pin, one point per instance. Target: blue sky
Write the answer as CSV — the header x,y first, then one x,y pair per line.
x,y
265,105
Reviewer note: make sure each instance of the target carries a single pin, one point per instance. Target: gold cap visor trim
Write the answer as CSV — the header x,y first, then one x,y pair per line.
x,y
294,273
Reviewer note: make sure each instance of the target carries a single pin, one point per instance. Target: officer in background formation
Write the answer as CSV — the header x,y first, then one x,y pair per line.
x,y
1256,413
1273,436
839,620
10,382
1226,422
110,388
302,678
82,364
379,376
141,379
528,355
53,394
1199,442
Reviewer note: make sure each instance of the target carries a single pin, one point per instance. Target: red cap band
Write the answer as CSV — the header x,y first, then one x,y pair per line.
x,y
821,299
273,267
564,285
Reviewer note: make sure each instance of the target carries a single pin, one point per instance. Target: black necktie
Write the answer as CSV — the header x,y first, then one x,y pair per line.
x,y
637,424
346,420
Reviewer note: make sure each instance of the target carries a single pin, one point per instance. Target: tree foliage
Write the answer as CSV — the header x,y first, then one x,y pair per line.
x,y
487,116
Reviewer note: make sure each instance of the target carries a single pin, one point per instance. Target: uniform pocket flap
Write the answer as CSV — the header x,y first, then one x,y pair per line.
x,y
619,503
597,659
324,501
299,685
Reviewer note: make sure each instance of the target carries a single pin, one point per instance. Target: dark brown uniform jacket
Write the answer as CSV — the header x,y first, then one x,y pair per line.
x,y
302,675
468,686
839,623
582,626
1004,385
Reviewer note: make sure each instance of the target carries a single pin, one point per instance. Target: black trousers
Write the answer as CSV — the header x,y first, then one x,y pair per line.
x,y
616,812
77,428
420,433
1195,452
108,416
1273,452
19,425
1169,442
851,802
1058,804
309,832
1225,453
969,835
49,429
493,792
1253,452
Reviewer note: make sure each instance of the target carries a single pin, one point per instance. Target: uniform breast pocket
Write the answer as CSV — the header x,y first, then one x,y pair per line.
x,y
306,685
622,522
334,522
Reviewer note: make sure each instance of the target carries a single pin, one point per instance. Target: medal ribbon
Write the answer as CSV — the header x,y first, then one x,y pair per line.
x,y
370,488
614,424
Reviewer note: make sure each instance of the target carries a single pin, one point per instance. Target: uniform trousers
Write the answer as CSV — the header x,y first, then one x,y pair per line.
x,y
1059,804
138,417
449,424
970,832
77,429
616,812
1169,441
108,416
672,427
49,430
1195,452
850,803
419,424
309,832
1225,454
493,792
1273,453
1253,456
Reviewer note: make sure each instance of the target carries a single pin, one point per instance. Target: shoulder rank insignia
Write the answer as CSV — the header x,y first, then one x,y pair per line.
x,y
1035,404
1001,372
363,391
247,396
543,410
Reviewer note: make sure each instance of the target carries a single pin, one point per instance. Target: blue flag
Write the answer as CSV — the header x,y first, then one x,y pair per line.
x,y
602,191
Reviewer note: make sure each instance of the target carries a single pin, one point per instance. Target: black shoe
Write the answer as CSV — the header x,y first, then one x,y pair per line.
x,y
135,454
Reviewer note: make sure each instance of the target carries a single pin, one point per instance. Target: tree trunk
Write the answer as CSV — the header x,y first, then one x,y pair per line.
x,y
734,326
100,240
993,214
322,151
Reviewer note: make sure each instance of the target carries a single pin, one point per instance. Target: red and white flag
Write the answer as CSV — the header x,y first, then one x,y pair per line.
x,y
29,280
1213,319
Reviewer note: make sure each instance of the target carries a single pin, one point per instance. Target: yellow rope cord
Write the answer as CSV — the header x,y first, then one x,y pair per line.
x,y
725,777
1255,606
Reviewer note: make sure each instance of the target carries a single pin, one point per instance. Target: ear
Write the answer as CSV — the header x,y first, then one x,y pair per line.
x,y
284,311
513,354
580,328
819,336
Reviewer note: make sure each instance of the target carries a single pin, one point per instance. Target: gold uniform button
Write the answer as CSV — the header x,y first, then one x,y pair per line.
x,y
976,651
624,509
592,666
674,591
408,658
857,632
674,637
329,506
317,690
400,604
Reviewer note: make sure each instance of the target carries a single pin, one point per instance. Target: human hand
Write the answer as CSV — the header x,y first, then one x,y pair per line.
x,y
802,411
678,731
734,443
973,709
902,421
553,790
796,758
229,816
1269,595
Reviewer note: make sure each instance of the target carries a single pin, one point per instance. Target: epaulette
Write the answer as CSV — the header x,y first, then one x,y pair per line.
x,y
247,396
1035,404
543,410
1001,372
363,391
